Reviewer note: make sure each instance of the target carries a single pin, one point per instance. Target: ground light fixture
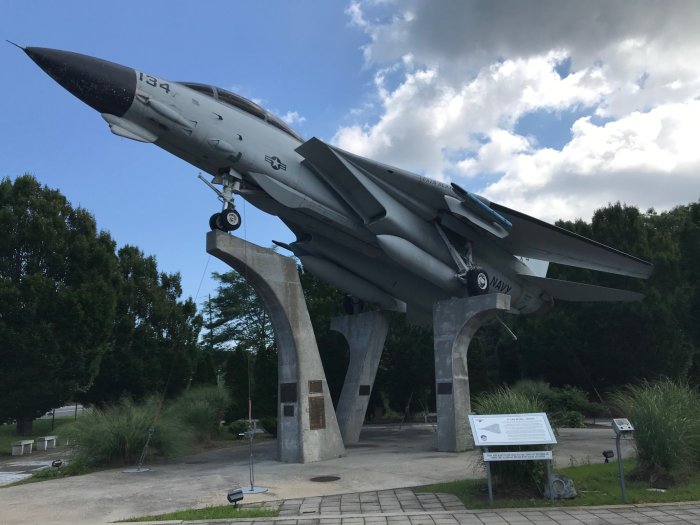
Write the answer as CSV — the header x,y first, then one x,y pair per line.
x,y
608,454
234,496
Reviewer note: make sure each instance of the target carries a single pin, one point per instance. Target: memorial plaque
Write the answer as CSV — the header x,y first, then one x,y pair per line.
x,y
444,389
364,390
315,387
317,413
288,410
288,392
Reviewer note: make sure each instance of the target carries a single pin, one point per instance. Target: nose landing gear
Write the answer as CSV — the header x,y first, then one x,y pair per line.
x,y
228,219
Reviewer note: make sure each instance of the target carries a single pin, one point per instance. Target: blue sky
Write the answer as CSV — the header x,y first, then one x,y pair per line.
x,y
551,107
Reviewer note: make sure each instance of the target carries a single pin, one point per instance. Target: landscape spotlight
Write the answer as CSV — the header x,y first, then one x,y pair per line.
x,y
607,454
234,496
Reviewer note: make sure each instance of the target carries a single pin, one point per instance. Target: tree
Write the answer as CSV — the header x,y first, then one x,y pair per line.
x,y
407,368
236,378
205,370
237,316
603,345
325,302
154,346
264,399
57,299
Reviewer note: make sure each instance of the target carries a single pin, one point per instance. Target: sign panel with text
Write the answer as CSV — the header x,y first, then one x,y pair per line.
x,y
511,429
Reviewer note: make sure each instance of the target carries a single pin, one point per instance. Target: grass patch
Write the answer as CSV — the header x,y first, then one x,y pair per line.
x,y
595,485
210,513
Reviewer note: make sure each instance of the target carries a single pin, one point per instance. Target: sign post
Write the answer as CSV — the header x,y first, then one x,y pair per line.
x,y
499,430
622,428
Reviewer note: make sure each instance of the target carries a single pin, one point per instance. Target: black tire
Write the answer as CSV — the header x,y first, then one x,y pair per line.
x,y
477,282
229,220
214,222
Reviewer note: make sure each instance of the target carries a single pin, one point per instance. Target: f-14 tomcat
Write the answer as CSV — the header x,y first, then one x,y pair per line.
x,y
378,232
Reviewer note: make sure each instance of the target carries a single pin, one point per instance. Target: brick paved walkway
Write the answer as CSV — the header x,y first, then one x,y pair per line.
x,y
404,507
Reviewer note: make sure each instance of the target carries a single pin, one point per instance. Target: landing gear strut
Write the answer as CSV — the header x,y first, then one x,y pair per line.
x,y
228,219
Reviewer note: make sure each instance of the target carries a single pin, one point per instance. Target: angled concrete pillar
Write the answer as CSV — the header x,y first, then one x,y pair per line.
x,y
365,334
307,429
455,321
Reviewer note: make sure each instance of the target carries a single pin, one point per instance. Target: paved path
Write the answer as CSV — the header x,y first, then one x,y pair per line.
x,y
370,489
404,507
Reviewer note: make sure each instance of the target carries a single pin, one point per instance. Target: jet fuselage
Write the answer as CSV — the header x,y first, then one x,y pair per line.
x,y
380,233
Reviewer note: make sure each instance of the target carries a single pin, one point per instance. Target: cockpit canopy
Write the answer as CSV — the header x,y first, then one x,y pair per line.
x,y
237,101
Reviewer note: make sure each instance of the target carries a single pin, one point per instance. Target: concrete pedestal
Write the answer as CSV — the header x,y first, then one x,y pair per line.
x,y
365,334
455,321
307,429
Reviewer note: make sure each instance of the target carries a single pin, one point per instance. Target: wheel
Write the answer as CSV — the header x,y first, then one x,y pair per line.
x,y
213,222
477,281
229,220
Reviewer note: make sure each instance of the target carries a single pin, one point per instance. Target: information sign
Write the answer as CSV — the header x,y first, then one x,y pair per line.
x,y
511,429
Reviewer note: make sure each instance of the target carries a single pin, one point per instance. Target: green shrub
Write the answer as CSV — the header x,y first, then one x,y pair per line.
x,y
238,427
506,401
515,473
117,434
566,406
571,399
269,424
569,419
666,419
201,409
533,389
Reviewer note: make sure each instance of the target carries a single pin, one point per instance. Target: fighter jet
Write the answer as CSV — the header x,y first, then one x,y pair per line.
x,y
378,232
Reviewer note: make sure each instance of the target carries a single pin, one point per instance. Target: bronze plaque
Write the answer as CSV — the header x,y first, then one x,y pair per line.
x,y
315,387
317,413
444,389
288,392
288,410
364,390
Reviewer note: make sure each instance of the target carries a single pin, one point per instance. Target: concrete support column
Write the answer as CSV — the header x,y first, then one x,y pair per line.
x,y
307,429
365,334
455,321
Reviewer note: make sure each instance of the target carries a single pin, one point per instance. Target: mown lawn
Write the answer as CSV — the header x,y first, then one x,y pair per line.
x,y
595,484
210,513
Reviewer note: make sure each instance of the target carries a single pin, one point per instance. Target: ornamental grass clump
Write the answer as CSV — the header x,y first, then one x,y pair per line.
x,y
666,419
117,434
201,409
517,475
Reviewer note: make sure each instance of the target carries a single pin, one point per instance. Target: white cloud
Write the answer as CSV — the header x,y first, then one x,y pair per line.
x,y
452,81
292,117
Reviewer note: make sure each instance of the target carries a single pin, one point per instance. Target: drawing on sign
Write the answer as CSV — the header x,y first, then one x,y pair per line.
x,y
495,428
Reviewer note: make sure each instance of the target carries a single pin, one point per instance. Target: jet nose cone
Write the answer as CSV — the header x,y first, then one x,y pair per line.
x,y
105,86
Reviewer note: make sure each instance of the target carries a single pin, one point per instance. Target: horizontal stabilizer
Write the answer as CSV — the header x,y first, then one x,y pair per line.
x,y
581,292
